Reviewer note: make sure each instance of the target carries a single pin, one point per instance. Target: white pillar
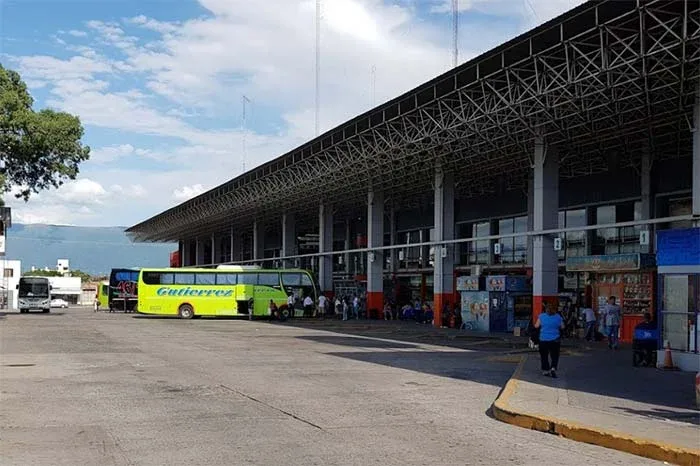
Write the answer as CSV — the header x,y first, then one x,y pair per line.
x,y
530,216
325,244
444,230
375,262
289,238
545,270
696,153
647,197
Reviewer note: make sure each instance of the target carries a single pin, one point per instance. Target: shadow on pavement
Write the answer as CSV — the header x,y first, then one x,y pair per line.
x,y
606,380
31,314
413,333
458,365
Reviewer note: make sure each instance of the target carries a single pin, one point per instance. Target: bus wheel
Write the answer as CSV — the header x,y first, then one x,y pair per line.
x,y
186,311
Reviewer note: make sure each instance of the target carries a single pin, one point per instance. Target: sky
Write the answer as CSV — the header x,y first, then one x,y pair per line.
x,y
179,96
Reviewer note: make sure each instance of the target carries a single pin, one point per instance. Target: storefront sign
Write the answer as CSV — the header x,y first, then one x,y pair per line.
x,y
610,263
678,247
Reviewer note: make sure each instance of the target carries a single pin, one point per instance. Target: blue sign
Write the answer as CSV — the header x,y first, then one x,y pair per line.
x,y
678,247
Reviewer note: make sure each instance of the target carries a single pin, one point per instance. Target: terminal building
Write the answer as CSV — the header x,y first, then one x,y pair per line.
x,y
557,157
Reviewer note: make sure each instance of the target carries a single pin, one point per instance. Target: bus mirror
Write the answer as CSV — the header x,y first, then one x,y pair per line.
x,y
17,287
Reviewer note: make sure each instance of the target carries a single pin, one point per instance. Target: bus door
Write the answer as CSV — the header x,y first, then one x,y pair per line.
x,y
245,298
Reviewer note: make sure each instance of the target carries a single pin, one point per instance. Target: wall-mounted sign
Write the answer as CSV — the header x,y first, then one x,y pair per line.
x,y
609,263
644,238
557,244
497,248
678,247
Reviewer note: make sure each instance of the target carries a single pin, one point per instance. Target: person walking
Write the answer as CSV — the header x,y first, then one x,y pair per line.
x,y
612,322
589,316
550,325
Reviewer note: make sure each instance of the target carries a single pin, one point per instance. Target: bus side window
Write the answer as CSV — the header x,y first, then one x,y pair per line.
x,y
247,278
269,279
291,281
205,279
184,279
226,279
149,278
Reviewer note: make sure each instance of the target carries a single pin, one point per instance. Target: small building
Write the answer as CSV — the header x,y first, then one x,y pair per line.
x,y
11,271
67,288
63,266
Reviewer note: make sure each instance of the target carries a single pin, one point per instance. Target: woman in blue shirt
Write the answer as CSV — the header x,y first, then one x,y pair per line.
x,y
550,325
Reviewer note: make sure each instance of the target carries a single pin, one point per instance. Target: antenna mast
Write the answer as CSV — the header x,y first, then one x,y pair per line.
x,y
318,65
455,33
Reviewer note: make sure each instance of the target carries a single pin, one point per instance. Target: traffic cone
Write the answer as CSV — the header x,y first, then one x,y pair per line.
x,y
668,359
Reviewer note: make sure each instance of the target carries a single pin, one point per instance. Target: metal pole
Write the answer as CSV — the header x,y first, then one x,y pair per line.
x,y
318,67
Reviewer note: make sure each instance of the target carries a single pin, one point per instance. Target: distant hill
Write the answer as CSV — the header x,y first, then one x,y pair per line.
x,y
95,250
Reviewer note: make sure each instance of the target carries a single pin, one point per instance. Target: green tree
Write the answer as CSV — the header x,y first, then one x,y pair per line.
x,y
39,150
43,273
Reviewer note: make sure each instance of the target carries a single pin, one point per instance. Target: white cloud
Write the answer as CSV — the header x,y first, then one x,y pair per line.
x,y
187,192
158,95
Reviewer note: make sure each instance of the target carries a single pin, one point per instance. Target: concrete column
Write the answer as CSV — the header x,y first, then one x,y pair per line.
x,y
199,259
289,238
325,244
214,251
444,230
530,216
545,273
696,154
258,241
348,246
647,199
375,262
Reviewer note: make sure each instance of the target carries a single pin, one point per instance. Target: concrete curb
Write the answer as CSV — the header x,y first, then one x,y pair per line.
x,y
504,412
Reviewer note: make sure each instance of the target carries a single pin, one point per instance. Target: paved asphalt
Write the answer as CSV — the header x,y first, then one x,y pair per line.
x,y
84,388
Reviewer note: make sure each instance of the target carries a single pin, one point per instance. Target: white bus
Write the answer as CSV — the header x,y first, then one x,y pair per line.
x,y
34,293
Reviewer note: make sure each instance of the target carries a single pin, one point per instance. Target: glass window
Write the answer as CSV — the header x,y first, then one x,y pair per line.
x,y
306,280
678,207
506,226
575,241
482,248
184,279
226,278
520,242
205,279
291,279
607,240
151,278
268,279
8,273
167,279
247,278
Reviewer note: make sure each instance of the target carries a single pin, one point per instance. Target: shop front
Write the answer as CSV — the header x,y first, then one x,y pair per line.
x,y
496,303
678,258
628,277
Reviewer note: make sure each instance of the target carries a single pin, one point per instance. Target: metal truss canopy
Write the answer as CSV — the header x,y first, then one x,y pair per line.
x,y
608,78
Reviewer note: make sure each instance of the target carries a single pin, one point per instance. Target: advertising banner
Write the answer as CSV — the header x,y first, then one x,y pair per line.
x,y
475,310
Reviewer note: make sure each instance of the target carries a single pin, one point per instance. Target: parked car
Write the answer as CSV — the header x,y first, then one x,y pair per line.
x,y
59,303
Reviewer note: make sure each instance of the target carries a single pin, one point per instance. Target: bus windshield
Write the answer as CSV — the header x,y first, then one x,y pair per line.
x,y
33,287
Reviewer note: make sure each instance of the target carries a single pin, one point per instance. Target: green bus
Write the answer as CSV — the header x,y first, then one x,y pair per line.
x,y
102,296
224,291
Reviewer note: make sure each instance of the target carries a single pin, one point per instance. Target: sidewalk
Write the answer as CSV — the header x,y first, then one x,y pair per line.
x,y
600,398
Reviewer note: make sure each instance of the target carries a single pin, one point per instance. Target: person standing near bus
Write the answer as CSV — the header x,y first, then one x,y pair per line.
x,y
290,304
321,305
